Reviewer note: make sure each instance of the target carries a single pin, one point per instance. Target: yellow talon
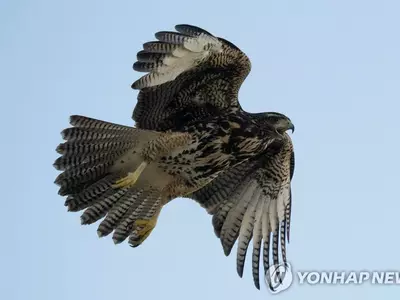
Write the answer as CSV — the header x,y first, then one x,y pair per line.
x,y
145,227
131,179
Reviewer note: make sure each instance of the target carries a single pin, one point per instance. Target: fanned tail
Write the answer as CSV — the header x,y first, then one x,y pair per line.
x,y
92,161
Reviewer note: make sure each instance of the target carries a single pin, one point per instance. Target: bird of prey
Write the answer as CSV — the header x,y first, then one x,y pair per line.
x,y
191,139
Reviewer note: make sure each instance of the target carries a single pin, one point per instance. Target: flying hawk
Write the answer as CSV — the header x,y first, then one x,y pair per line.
x,y
191,139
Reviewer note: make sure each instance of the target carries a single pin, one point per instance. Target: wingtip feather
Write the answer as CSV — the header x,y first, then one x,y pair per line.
x,y
227,249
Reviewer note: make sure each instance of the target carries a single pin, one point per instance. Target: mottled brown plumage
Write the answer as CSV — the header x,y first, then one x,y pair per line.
x,y
192,139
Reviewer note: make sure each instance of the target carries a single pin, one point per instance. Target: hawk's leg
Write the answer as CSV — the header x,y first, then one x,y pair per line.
x,y
143,229
165,143
131,178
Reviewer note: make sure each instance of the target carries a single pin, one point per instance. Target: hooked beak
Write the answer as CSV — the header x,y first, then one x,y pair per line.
x,y
291,127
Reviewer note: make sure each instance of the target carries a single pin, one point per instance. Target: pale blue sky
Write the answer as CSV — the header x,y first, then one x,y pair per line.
x,y
332,66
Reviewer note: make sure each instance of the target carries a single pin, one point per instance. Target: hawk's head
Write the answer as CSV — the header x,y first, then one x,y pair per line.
x,y
280,122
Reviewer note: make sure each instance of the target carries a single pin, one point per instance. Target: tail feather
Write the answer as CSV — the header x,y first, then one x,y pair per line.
x,y
135,238
75,179
81,148
102,206
119,211
92,161
84,172
91,194
90,123
91,148
77,188
91,154
149,204
91,134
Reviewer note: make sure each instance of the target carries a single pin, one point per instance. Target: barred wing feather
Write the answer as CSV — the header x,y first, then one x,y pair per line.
x,y
191,74
255,205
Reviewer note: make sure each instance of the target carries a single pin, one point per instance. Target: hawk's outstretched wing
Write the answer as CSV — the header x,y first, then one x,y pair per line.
x,y
253,201
191,75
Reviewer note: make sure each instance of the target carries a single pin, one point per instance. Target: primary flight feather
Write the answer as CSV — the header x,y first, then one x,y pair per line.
x,y
191,139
